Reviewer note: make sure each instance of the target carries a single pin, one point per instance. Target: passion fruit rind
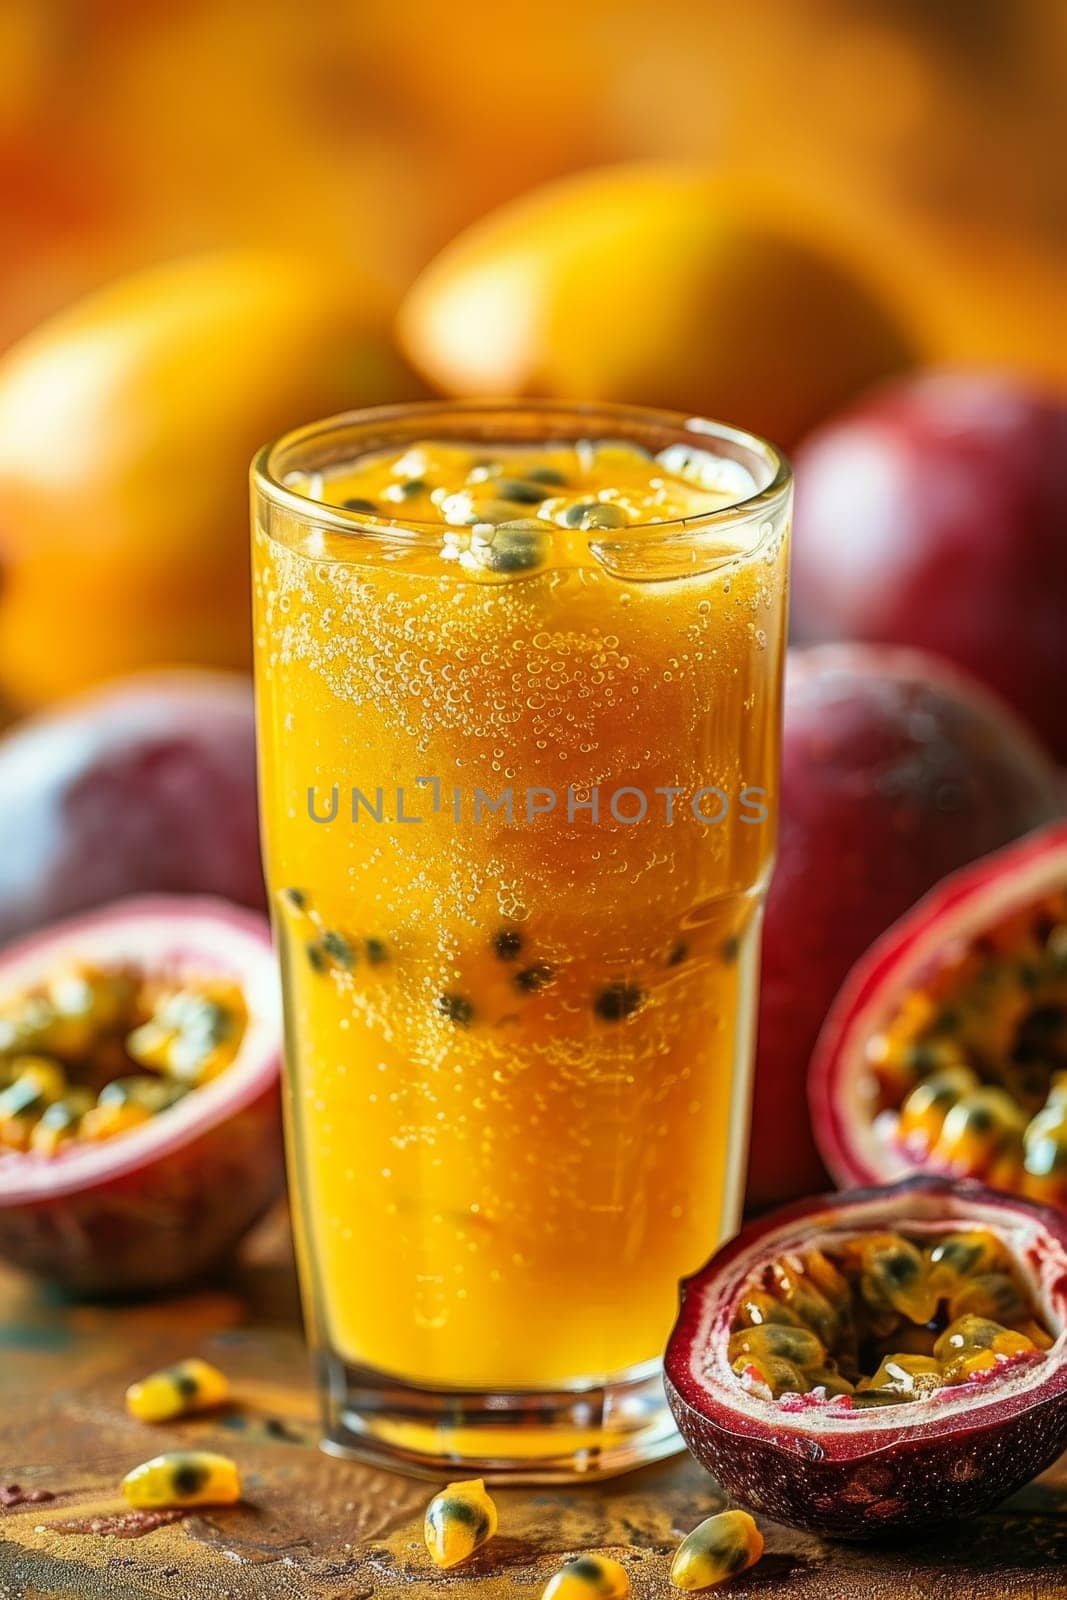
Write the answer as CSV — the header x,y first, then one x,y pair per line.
x,y
946,1051
198,1157
858,1472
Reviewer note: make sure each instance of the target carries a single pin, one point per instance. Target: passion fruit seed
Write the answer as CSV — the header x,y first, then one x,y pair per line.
x,y
968,1064
925,1316
830,1318
979,1129
589,1578
531,980
458,1521
338,948
193,1035
357,502
772,1376
905,1375
618,1001
60,1123
962,1255
593,514
995,1295
297,898
1045,1153
512,546
507,944
457,1008
127,1103
521,492
755,1309
922,1116
36,1084
377,951
893,1277
177,1391
797,1345
975,1345
91,1024
183,1478
719,1549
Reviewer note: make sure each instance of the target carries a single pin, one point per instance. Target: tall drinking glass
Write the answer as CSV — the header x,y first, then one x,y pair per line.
x,y
519,766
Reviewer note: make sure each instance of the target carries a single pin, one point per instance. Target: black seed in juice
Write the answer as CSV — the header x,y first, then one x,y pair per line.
x,y
574,514
316,957
618,1001
185,1384
523,494
412,487
731,949
507,944
603,516
678,954
297,898
515,548
532,979
548,475
590,514
357,503
377,951
338,948
457,1008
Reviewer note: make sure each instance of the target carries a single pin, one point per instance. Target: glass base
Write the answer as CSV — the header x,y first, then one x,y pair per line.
x,y
588,1430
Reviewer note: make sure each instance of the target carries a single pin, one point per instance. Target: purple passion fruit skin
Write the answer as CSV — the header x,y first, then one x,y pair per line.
x,y
851,1471
163,1199
146,785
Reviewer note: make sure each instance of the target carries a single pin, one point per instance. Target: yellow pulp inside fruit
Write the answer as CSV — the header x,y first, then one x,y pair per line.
x,y
92,1052
519,1026
881,1318
970,1073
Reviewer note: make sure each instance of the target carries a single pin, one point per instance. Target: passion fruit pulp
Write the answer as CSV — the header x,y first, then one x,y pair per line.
x,y
814,1453
139,1111
946,1051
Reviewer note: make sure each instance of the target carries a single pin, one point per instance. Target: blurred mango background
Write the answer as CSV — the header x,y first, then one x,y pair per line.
x,y
220,219
796,197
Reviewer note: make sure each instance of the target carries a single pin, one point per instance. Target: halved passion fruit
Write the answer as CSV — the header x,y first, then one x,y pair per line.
x,y
946,1050
139,1115
877,1360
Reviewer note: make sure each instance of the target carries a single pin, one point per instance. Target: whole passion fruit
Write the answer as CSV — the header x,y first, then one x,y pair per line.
x,y
145,786
896,770
139,1115
946,1050
931,514
878,1360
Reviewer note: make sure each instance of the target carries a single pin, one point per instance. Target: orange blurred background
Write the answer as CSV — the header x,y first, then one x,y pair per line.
x,y
134,130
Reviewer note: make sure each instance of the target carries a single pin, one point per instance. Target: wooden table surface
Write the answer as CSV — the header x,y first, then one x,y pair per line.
x,y
334,1530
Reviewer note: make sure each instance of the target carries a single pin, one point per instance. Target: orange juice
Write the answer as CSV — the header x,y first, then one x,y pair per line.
x,y
519,692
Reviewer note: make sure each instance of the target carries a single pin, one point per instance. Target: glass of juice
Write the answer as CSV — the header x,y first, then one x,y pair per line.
x,y
519,682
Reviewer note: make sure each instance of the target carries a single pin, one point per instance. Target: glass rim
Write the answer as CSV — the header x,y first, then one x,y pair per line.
x,y
622,421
